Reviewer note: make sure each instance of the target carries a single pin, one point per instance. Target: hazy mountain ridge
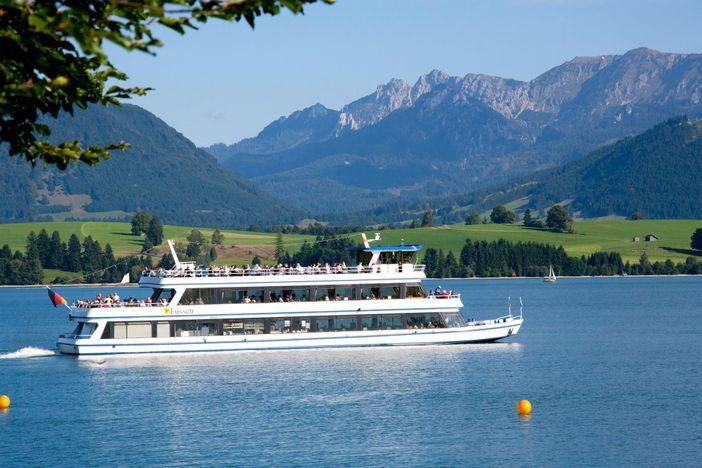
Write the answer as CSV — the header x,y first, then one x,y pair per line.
x,y
447,134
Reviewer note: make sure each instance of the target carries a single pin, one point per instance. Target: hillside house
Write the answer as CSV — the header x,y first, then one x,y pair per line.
x,y
651,238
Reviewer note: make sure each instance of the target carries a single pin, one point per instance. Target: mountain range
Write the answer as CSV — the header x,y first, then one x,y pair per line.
x,y
162,172
446,135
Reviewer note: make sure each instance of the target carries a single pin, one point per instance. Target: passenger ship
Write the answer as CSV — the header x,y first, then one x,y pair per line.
x,y
378,301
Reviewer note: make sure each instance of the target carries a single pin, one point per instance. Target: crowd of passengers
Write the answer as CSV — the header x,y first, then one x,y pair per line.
x,y
113,300
246,270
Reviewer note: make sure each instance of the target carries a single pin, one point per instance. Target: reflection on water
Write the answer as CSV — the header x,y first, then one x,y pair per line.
x,y
376,357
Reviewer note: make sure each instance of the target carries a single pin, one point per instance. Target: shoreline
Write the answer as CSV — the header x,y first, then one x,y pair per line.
x,y
482,278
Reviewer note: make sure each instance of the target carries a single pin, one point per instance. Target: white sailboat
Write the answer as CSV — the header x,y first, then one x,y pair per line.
x,y
551,278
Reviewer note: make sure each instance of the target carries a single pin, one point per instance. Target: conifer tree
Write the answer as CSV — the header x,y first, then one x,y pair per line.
x,y
56,252
72,259
30,269
279,246
154,231
527,217
42,244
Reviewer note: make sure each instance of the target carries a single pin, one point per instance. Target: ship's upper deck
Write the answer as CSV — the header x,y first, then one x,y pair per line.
x,y
377,263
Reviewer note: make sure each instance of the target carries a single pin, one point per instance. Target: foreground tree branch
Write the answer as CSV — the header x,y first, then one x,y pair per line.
x,y
53,60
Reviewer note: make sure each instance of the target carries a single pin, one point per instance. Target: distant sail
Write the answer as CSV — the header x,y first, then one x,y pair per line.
x,y
125,279
551,278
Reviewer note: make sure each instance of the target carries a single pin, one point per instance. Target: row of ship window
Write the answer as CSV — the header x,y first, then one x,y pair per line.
x,y
326,293
257,326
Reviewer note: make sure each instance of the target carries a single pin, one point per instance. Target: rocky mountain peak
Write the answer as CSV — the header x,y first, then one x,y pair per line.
x,y
370,109
427,82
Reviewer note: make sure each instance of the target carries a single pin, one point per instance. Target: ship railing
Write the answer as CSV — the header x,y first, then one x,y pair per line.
x,y
448,295
498,320
274,271
102,305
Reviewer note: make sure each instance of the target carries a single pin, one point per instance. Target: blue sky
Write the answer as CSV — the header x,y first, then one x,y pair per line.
x,y
226,82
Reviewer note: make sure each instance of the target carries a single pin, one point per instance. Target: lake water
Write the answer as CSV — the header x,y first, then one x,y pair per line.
x,y
613,368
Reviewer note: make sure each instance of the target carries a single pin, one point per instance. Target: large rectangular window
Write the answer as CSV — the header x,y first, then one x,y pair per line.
x,y
163,329
390,292
324,294
199,296
233,327
253,295
299,295
281,325
122,330
119,330
424,321
254,326
335,293
345,324
390,322
415,291
195,328
370,322
453,320
301,325
325,324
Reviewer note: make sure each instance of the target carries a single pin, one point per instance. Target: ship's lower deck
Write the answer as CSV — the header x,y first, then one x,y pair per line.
x,y
487,331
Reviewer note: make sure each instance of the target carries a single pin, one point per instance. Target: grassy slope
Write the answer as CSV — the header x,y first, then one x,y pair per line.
x,y
118,235
592,236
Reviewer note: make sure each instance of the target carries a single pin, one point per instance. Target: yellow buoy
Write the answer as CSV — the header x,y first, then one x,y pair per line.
x,y
4,401
524,407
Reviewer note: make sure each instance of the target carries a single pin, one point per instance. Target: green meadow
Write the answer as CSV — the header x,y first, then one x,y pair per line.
x,y
590,236
241,246
238,243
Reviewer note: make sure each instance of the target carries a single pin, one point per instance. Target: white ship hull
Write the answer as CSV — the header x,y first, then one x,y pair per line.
x,y
485,332
373,303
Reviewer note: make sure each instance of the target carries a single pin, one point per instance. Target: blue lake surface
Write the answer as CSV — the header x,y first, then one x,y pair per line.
x,y
613,368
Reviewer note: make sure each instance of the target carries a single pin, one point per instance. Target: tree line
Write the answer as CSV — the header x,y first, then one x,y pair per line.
x,y
505,259
87,259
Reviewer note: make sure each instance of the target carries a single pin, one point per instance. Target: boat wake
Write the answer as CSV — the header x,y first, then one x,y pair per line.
x,y
28,352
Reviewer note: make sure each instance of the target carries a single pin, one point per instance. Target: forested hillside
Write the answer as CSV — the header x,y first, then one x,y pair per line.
x,y
657,174
162,172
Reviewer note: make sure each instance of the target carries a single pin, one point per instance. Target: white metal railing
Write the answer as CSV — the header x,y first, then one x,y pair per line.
x,y
272,271
449,295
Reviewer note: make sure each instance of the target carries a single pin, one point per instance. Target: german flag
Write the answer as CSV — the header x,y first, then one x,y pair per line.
x,y
56,299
